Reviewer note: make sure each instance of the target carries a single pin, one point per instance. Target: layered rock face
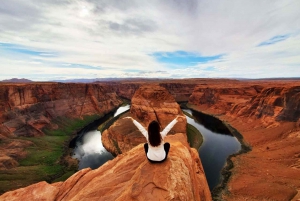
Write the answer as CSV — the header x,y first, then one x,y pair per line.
x,y
150,102
279,103
130,176
180,91
267,116
27,109
124,89
222,98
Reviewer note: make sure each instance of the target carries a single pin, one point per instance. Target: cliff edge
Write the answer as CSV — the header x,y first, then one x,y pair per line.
x,y
130,176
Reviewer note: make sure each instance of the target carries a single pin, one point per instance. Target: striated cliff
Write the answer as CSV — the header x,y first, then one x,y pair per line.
x,y
267,116
150,102
130,176
26,109
179,89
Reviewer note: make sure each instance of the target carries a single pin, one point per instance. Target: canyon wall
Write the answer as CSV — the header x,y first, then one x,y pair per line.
x,y
181,90
26,109
31,109
267,116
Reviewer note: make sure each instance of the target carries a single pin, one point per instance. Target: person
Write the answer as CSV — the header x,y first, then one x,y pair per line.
x,y
155,148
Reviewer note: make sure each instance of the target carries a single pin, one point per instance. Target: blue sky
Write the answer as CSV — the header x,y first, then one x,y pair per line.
x,y
181,59
51,40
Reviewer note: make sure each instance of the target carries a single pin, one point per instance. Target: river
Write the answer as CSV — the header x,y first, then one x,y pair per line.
x,y
89,149
218,144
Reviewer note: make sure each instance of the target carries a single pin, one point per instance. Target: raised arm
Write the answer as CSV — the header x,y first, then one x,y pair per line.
x,y
168,127
139,126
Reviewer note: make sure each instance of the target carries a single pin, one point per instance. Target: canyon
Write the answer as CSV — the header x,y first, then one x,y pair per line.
x,y
36,121
264,112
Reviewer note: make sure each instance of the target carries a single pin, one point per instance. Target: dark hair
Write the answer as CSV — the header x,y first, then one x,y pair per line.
x,y
154,136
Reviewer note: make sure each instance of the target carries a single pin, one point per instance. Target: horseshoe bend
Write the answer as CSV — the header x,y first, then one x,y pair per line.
x,y
38,120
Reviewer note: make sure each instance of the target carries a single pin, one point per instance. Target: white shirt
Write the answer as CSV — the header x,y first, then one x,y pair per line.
x,y
156,153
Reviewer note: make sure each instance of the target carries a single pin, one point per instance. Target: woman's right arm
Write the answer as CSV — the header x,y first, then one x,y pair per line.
x,y
140,127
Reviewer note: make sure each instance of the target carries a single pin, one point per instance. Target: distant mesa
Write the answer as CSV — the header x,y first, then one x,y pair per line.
x,y
17,80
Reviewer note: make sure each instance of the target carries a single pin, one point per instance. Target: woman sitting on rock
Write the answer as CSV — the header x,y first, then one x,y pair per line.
x,y
156,150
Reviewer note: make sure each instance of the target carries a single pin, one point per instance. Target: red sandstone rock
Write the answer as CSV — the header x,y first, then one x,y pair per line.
x,y
150,102
128,177
27,108
262,112
36,192
267,115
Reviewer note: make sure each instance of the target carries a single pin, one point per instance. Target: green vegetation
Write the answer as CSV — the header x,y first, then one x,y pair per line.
x,y
67,126
195,138
44,160
117,146
110,121
188,114
104,126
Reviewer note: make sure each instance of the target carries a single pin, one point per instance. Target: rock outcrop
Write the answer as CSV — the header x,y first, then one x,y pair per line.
x,y
267,115
128,177
150,102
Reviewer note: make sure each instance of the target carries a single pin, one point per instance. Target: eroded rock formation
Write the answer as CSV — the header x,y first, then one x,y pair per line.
x,y
150,102
128,177
26,109
267,115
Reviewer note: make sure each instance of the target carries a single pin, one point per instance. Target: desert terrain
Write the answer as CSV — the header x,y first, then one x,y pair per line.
x,y
265,112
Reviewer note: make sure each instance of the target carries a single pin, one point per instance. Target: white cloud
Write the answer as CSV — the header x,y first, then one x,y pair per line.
x,y
119,36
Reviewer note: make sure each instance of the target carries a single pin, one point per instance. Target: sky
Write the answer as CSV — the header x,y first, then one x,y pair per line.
x,y
45,40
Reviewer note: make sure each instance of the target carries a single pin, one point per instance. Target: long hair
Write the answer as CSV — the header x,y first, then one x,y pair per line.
x,y
154,136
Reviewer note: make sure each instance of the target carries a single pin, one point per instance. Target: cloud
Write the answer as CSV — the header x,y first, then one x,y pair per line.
x,y
136,26
274,40
126,38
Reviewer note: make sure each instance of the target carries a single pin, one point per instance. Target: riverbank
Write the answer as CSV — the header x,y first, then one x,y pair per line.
x,y
226,171
195,138
270,170
47,157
